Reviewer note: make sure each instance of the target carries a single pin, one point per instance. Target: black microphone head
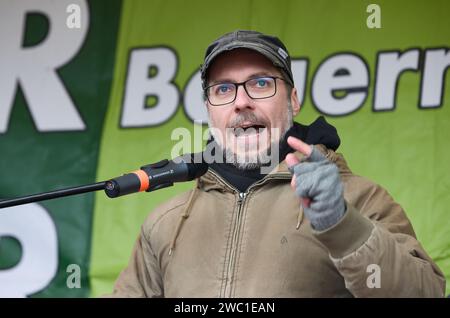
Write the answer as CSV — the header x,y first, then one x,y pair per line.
x,y
195,163
196,170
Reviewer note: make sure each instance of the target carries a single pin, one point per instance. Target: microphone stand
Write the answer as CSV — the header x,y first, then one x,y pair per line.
x,y
53,194
161,174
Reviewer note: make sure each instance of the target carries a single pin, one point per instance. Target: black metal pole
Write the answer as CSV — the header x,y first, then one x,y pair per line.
x,y
53,194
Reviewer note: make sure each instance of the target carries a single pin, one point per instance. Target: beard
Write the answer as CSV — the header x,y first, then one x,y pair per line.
x,y
251,156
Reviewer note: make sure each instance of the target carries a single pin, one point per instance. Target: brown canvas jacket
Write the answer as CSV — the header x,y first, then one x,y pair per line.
x,y
216,242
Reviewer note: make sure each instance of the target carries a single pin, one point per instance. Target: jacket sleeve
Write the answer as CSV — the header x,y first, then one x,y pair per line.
x,y
375,249
141,278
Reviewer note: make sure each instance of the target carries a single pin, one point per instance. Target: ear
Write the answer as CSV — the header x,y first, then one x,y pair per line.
x,y
295,102
208,111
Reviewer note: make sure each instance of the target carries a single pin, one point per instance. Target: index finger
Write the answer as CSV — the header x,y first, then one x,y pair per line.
x,y
300,146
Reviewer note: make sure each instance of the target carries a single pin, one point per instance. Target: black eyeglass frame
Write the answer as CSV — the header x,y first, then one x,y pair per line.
x,y
236,85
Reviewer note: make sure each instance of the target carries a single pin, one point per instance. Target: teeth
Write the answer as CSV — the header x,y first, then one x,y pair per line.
x,y
249,130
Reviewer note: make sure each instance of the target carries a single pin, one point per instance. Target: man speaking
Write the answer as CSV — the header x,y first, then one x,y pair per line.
x,y
305,227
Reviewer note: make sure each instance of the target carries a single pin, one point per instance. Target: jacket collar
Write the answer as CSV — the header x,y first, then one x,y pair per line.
x,y
211,180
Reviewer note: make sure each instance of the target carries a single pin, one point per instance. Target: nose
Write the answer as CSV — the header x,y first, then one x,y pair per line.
x,y
242,100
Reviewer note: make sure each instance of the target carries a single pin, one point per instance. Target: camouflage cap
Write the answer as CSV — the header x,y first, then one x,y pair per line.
x,y
269,46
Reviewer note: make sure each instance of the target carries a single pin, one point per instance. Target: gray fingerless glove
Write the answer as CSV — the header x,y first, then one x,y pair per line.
x,y
318,179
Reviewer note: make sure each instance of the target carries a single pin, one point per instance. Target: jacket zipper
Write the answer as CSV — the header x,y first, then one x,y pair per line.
x,y
227,290
234,246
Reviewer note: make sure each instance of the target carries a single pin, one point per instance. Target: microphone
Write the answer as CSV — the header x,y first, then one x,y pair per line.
x,y
158,175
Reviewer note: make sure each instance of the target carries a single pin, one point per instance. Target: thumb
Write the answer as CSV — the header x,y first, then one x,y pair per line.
x,y
300,146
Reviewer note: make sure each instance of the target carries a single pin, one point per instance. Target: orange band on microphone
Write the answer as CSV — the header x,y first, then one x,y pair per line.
x,y
143,177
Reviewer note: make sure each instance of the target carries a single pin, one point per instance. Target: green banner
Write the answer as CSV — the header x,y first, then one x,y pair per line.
x,y
46,66
90,90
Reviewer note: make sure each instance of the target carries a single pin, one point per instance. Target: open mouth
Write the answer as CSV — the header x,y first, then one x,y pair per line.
x,y
248,130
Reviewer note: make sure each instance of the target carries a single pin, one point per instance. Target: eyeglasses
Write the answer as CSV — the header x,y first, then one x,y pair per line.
x,y
256,88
